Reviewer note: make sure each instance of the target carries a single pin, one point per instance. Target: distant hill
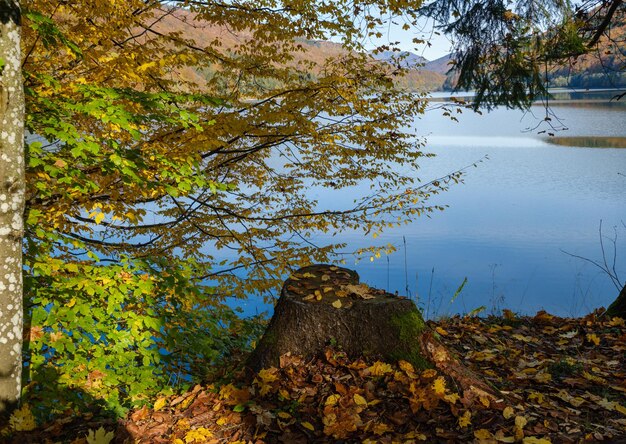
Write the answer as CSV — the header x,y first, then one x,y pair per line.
x,y
440,65
405,58
604,67
185,22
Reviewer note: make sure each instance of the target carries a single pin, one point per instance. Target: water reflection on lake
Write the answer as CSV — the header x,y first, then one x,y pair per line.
x,y
507,227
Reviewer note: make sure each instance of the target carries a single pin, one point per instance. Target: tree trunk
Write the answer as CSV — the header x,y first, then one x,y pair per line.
x,y
618,307
12,193
322,304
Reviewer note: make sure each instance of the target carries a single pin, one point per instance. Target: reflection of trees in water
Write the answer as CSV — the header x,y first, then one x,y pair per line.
x,y
589,142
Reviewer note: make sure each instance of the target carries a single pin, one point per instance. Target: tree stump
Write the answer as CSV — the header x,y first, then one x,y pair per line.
x,y
618,307
323,304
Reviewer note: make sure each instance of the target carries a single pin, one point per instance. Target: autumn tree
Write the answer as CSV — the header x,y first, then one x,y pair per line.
x,y
506,50
168,171
12,189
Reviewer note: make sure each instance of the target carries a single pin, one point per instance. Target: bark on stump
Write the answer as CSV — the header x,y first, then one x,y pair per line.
x,y
618,307
322,304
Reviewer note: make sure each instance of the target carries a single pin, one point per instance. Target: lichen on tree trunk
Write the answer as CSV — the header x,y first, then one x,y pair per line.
x,y
12,197
323,304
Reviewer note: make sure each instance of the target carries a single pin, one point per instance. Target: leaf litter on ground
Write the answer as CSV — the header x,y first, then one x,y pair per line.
x,y
563,379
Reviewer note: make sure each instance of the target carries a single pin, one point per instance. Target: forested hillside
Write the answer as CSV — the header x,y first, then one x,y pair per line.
x,y
316,51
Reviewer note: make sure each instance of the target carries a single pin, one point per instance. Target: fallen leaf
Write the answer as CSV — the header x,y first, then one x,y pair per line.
x,y
159,404
508,412
466,419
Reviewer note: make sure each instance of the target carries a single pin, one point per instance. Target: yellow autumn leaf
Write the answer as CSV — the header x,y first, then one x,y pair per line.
x,y
380,429
466,419
159,404
482,434
268,374
441,331
620,408
520,422
332,399
452,398
359,400
284,415
407,367
22,420
100,436
99,218
429,373
508,412
198,435
380,368
484,401
337,304
536,396
308,425
592,337
439,386
533,440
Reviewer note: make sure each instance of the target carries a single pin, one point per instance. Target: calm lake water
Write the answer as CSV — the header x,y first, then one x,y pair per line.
x,y
507,228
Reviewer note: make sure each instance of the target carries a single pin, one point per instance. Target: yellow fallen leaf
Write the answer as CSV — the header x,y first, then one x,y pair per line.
x,y
543,376
441,331
198,435
159,404
482,434
379,368
308,425
332,399
520,422
484,401
100,436
22,420
592,337
452,398
508,412
406,367
466,419
536,396
380,429
359,400
439,385
284,415
337,304
508,314
429,373
620,408
533,440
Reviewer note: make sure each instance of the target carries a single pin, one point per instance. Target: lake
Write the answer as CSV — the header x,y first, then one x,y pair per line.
x,y
510,226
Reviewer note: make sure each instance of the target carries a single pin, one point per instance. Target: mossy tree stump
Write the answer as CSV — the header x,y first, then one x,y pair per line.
x,y
323,304
618,307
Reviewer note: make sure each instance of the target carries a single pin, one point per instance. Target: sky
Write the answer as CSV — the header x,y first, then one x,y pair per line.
x,y
439,44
